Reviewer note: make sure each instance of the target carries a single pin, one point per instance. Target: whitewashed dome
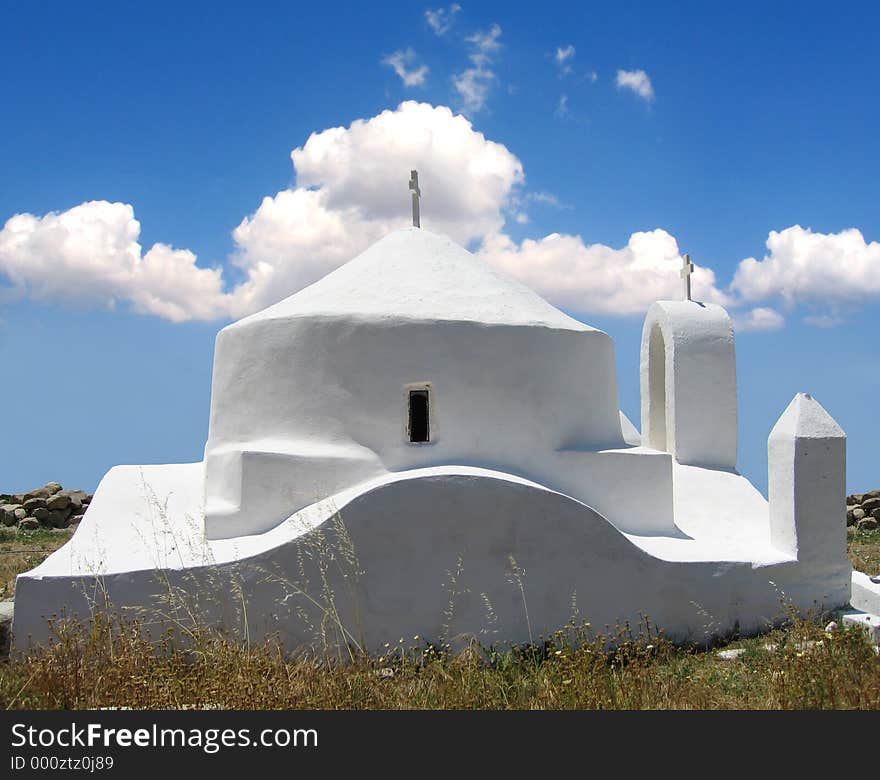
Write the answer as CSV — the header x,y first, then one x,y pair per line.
x,y
314,394
414,274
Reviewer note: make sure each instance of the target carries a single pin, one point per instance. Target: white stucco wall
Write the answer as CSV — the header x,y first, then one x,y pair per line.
x,y
688,383
405,534
631,434
865,593
309,397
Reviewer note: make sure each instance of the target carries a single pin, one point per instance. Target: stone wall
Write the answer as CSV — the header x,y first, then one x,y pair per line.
x,y
50,506
863,510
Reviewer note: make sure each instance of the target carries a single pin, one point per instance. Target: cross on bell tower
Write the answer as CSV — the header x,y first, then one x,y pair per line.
x,y
687,268
416,194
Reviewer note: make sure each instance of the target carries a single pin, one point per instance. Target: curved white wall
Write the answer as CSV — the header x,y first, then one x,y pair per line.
x,y
396,545
304,406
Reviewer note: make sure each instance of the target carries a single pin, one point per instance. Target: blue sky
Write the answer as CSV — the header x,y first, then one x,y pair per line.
x,y
700,129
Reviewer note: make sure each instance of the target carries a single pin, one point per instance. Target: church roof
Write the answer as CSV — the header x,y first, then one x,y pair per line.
x,y
419,275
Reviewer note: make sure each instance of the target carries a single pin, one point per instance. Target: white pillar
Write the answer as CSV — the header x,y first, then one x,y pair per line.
x,y
806,457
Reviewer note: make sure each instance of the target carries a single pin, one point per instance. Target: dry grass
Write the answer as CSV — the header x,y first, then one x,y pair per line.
x,y
20,551
104,665
99,667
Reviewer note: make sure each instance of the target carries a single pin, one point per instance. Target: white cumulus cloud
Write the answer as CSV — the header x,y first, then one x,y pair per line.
x,y
487,42
351,189
547,198
89,255
474,83
760,318
563,58
599,278
803,267
636,80
403,63
440,20
562,107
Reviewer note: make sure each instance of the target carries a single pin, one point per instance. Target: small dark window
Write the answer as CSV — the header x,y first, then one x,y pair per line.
x,y
418,416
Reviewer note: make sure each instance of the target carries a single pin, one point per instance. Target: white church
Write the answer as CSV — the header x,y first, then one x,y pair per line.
x,y
419,445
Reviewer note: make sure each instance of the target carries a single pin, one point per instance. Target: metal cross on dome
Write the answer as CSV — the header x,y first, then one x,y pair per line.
x,y
687,268
416,194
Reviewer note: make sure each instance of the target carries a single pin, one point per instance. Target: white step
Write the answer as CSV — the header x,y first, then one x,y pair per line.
x,y
867,621
865,593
